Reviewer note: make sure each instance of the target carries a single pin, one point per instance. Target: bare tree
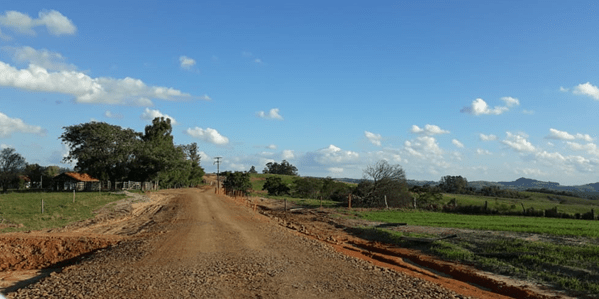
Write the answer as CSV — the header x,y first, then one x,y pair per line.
x,y
383,180
11,163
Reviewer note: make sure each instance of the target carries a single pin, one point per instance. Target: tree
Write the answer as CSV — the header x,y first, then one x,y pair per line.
x,y
275,186
237,181
11,163
192,154
425,195
383,180
306,187
454,184
284,168
253,170
102,150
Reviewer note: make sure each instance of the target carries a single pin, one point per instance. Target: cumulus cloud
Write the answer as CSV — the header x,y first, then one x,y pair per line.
x,y
568,164
186,62
424,146
113,115
54,21
518,142
480,107
373,138
272,114
489,137
457,143
287,154
101,90
563,135
428,130
590,148
587,89
271,146
16,125
44,58
510,102
150,114
209,135
335,155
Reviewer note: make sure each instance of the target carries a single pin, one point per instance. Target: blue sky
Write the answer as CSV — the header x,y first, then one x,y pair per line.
x,y
487,90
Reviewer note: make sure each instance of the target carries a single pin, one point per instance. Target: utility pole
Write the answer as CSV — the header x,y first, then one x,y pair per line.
x,y
217,162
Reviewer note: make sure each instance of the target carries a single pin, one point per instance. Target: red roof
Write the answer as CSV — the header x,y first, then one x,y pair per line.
x,y
82,177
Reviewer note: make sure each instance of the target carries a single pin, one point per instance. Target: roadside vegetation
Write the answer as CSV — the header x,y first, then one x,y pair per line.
x,y
22,211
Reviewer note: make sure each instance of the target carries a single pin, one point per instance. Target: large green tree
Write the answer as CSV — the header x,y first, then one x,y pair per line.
x,y
275,186
11,163
102,150
283,168
237,181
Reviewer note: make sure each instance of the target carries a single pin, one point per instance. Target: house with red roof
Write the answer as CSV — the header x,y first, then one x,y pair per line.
x,y
68,181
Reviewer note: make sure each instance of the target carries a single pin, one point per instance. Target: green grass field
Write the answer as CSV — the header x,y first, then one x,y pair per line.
x,y
539,201
551,226
59,209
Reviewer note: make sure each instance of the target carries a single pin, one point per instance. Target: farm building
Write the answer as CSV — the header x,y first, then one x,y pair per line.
x,y
75,181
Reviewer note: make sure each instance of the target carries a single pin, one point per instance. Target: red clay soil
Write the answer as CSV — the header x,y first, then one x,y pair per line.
x,y
21,252
460,278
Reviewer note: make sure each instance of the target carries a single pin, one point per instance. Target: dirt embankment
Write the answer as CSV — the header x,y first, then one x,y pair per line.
x,y
193,243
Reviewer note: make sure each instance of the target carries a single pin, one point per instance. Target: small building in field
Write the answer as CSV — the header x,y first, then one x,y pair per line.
x,y
69,181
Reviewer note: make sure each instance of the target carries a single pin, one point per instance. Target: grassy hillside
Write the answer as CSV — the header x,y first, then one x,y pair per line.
x,y
540,201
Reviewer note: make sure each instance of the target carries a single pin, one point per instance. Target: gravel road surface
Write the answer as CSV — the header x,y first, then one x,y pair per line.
x,y
200,245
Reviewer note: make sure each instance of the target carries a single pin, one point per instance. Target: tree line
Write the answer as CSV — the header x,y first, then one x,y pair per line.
x,y
383,185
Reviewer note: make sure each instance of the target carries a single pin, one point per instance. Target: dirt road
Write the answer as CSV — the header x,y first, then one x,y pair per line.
x,y
199,245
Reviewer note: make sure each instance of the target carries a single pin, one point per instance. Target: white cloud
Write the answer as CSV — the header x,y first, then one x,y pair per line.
x,y
587,89
424,146
272,114
483,151
373,138
16,125
457,143
489,137
510,102
562,89
3,146
271,146
258,60
113,115
150,114
479,107
209,135
563,135
54,21
186,62
518,142
46,59
590,148
428,130
335,170
101,90
287,155
334,155
205,98
529,172
529,112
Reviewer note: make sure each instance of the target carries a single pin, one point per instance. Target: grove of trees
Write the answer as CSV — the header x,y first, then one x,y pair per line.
x,y
283,168
109,152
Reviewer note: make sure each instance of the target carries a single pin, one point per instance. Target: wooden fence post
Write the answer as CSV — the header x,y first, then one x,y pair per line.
x,y
349,201
73,195
386,205
42,205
